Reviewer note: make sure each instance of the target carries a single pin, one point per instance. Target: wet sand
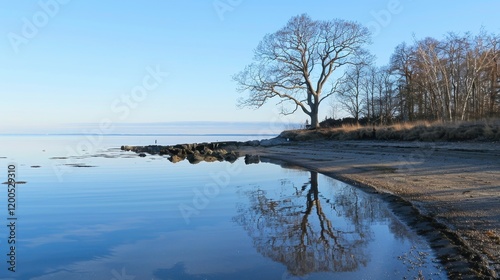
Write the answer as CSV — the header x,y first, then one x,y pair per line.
x,y
454,186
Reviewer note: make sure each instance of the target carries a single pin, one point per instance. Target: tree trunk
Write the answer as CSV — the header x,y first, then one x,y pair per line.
x,y
495,88
314,119
314,105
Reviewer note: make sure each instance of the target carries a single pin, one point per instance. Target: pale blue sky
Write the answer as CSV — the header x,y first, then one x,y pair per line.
x,y
81,61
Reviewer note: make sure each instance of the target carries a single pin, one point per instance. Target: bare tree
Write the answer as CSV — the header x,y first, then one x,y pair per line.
x,y
350,95
334,108
493,99
296,63
369,85
351,92
386,97
378,89
452,79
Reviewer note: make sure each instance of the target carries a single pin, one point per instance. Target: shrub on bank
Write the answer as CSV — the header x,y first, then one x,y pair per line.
x,y
418,131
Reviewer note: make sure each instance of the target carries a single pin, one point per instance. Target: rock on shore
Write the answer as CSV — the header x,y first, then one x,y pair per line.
x,y
198,152
194,153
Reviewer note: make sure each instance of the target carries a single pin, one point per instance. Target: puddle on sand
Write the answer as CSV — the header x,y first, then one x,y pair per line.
x,y
323,228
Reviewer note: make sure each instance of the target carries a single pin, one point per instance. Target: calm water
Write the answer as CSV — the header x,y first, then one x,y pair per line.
x,y
91,211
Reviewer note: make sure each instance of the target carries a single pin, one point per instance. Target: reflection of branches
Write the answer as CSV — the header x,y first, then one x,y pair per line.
x,y
306,240
373,210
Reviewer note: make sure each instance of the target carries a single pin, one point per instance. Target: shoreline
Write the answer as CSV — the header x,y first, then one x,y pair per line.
x,y
452,187
448,191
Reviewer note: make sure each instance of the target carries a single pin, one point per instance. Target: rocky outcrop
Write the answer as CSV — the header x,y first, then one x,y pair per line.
x,y
194,153
175,158
209,152
252,159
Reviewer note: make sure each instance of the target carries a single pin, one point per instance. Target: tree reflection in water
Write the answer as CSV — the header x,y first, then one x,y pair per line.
x,y
308,232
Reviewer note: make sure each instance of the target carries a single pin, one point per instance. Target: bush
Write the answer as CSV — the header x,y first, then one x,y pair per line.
x,y
418,131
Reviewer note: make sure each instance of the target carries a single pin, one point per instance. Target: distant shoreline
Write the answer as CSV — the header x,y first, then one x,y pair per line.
x,y
188,128
142,134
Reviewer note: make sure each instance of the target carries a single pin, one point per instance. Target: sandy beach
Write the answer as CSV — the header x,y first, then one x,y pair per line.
x,y
455,185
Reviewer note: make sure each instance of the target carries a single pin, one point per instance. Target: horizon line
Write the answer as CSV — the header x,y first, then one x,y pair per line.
x,y
139,134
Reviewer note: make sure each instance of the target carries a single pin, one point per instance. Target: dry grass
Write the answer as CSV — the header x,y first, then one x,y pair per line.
x,y
350,127
417,131
493,236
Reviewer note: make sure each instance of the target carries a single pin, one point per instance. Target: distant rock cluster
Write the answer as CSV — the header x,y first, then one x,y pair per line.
x,y
194,153
209,152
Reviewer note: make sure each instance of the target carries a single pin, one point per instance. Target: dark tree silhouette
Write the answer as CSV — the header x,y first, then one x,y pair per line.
x,y
308,232
296,63
303,237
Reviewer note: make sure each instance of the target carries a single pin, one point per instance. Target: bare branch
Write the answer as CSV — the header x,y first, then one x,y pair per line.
x,y
295,63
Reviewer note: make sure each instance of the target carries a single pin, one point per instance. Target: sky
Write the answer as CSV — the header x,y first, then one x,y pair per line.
x,y
74,61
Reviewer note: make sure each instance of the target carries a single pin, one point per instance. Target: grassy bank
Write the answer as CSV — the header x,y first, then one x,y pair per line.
x,y
419,131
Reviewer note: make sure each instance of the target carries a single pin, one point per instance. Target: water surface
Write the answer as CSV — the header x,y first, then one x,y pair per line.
x,y
99,213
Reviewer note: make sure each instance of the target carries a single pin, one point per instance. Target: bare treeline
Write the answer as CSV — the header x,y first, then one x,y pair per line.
x,y
456,78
